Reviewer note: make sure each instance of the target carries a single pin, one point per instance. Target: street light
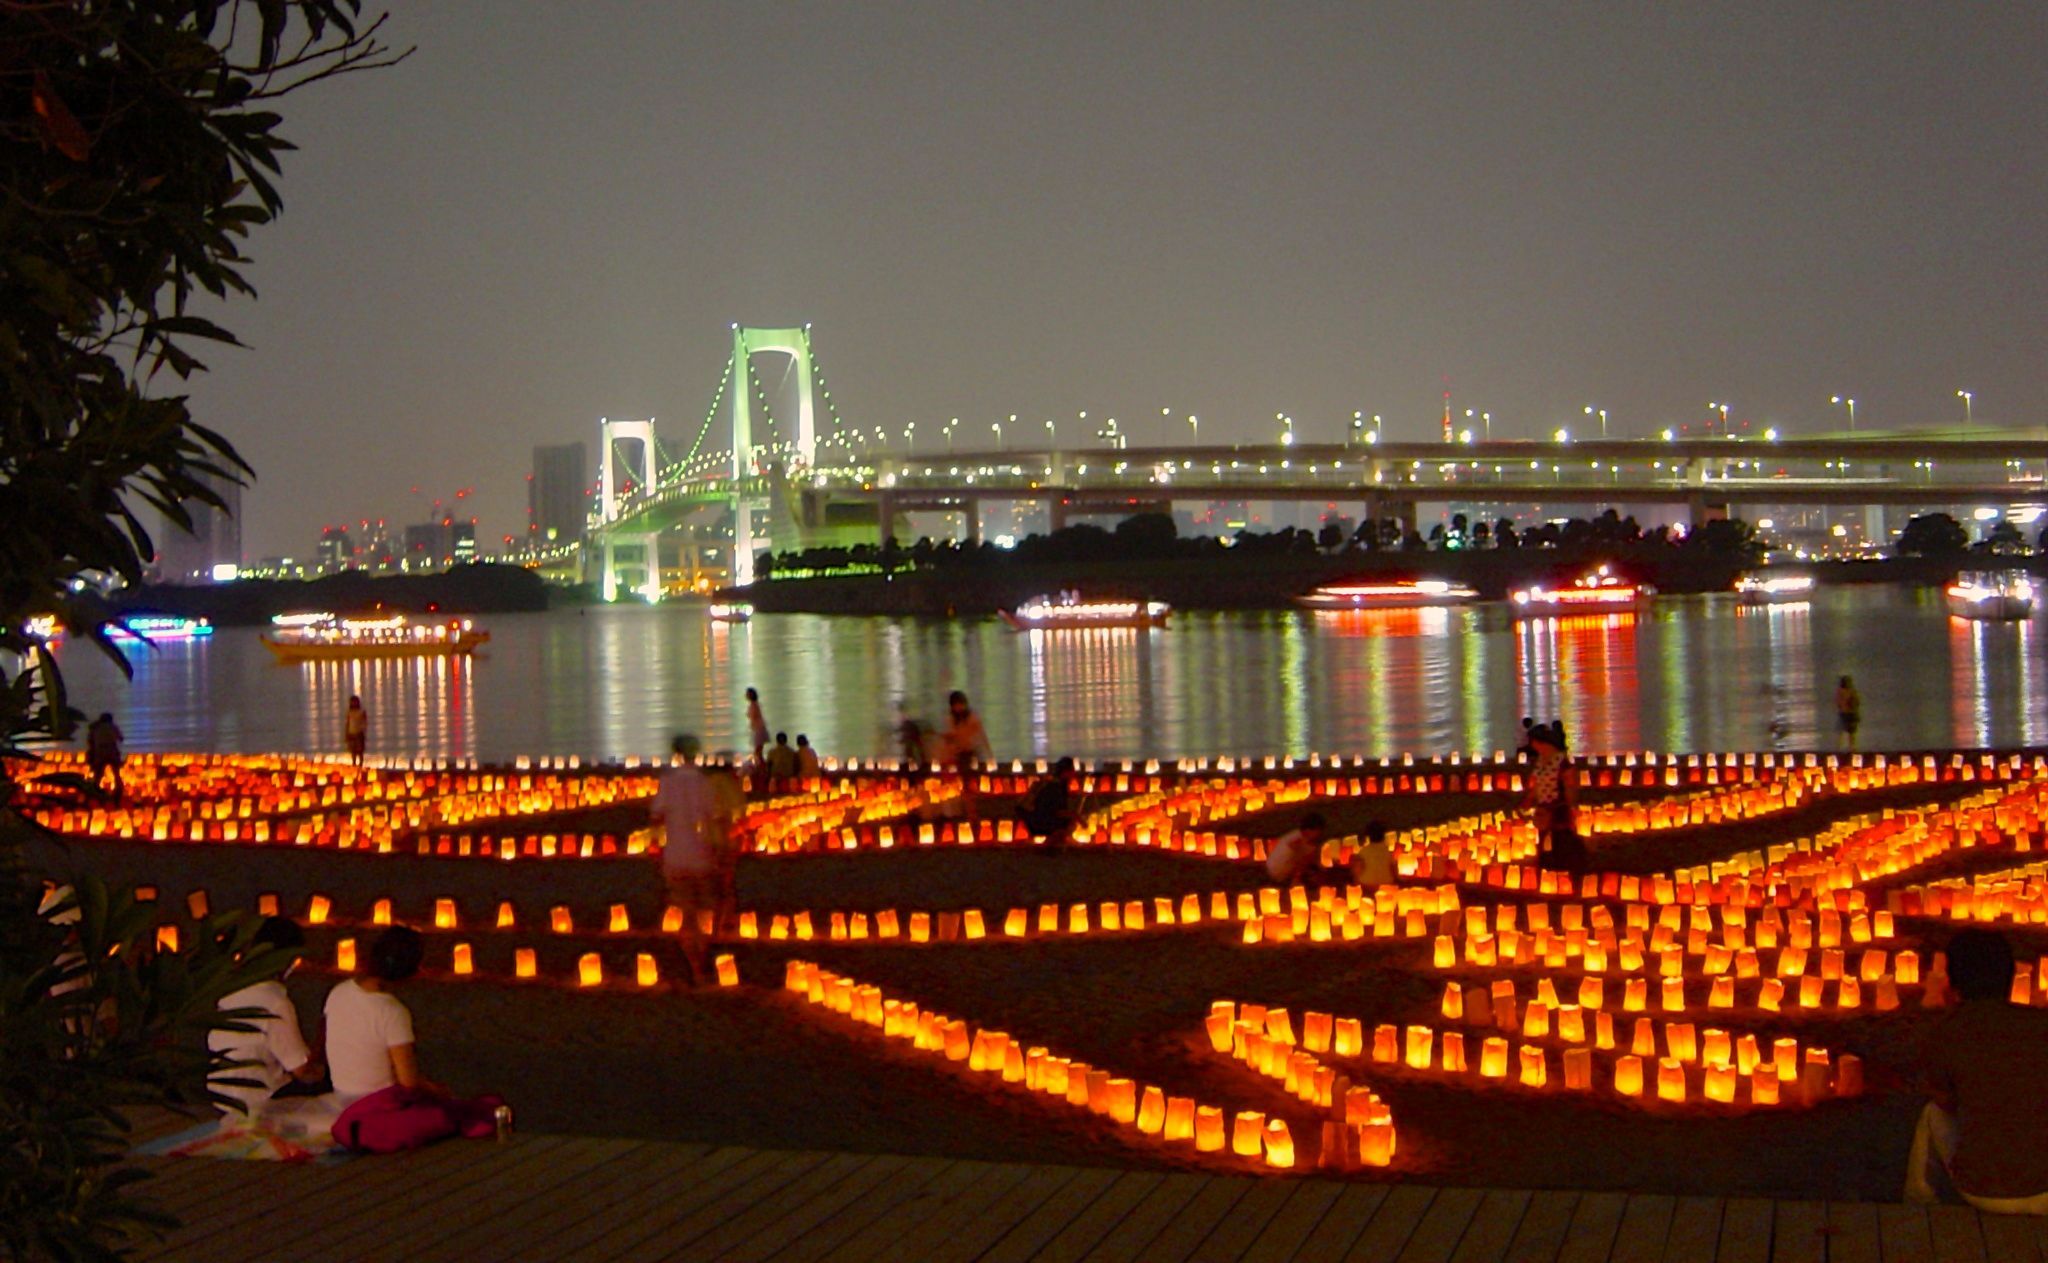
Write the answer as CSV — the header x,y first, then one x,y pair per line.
x,y
1966,396
1486,420
1194,429
1562,436
1602,414
1721,408
1287,433
1357,425
1851,404
1052,436
997,426
948,428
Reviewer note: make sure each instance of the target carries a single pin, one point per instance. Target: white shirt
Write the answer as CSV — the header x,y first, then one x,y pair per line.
x,y
273,1050
362,1029
684,805
1289,855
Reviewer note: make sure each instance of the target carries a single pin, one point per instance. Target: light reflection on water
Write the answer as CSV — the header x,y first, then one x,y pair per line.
x,y
1684,674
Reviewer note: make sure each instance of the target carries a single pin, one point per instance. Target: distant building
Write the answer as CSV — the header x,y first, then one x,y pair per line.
x,y
433,545
557,494
335,551
214,542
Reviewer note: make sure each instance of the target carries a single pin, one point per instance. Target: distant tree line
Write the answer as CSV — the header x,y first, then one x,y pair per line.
x,y
1940,535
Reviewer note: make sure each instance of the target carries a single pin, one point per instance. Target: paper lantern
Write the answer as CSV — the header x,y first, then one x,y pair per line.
x,y
317,909
1628,1076
620,921
523,963
1578,1069
1248,1134
1348,1037
1016,923
1670,1079
380,912
196,904
345,955
728,970
1123,1101
507,918
1180,1119
1208,1129
559,920
1315,1032
589,970
1152,1111
1279,1145
1421,1047
1681,1042
444,914
974,926
167,938
1493,1058
1534,1066
1763,1085
1720,1082
463,965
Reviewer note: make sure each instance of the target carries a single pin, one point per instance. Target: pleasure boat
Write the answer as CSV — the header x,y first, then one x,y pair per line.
x,y
1391,594
730,611
133,628
1598,592
1068,611
2000,595
1769,587
330,637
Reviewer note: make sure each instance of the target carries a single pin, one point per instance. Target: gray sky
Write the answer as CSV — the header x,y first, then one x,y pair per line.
x,y
552,212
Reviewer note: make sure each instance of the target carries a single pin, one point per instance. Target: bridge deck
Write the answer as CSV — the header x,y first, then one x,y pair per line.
x,y
581,1198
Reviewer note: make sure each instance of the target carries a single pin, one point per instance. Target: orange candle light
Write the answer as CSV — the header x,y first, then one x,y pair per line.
x,y
345,955
523,965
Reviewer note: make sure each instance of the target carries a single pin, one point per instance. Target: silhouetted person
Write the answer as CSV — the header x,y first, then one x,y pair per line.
x,y
1848,710
1049,806
103,751
355,730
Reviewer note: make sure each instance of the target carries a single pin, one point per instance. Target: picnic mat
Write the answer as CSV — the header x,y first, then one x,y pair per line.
x,y
243,1144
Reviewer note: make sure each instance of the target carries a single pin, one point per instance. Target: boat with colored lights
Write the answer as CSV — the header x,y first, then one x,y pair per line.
x,y
1389,594
730,611
330,637
153,628
1598,592
1068,611
1993,595
1769,587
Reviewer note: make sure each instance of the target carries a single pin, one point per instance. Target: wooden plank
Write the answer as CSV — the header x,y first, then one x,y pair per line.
x,y
1796,1233
670,1231
1853,1233
822,1234
929,1217
1645,1222
1187,1230
1343,1222
1028,1236
1282,1237
1695,1232
1392,1224
1957,1238
647,1165
1903,1235
1127,1215
422,1202
2009,1238
634,1233
1236,1231
568,1175
705,1175
1594,1222
1545,1223
1745,1231
970,1240
1436,1233
828,1187
1493,1226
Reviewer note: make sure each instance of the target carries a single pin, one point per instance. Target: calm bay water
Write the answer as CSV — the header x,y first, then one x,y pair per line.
x,y
1694,673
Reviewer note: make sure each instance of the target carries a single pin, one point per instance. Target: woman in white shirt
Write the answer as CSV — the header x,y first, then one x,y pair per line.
x,y
252,1064
369,1032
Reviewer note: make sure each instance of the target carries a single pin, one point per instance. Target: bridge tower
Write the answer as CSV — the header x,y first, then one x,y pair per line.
x,y
747,342
639,469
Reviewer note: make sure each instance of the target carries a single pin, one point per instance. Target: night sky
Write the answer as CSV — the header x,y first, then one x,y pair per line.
x,y
553,212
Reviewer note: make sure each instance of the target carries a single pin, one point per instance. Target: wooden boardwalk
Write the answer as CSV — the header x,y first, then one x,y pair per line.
x,y
578,1198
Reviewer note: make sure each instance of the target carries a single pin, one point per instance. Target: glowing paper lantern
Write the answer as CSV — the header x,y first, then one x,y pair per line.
x,y
444,914
380,912
345,955
506,916
523,965
1628,1076
317,909
1208,1129
1248,1134
1279,1145
621,921
464,965
590,970
559,920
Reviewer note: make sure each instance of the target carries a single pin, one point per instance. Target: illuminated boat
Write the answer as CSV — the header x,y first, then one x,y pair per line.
x,y
329,638
1599,592
135,627
1068,611
1997,595
1395,594
731,611
1766,587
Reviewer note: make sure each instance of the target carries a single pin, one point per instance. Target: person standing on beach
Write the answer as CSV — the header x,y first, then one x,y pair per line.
x,y
1552,792
757,729
355,730
686,808
964,745
1848,710
103,751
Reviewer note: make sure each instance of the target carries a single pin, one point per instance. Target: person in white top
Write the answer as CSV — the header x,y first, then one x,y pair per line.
x,y
1292,857
251,1065
370,1043
686,806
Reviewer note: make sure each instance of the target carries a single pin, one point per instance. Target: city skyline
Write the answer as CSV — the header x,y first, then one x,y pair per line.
x,y
535,222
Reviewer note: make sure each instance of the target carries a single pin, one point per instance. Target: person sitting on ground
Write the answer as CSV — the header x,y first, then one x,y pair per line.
x,y
253,1064
103,751
1049,806
1373,866
1293,855
806,758
369,1030
782,762
1985,1125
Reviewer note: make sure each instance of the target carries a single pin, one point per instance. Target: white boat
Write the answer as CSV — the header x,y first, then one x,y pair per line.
x,y
2001,595
1390,594
1768,587
730,611
1068,611
328,637
1598,592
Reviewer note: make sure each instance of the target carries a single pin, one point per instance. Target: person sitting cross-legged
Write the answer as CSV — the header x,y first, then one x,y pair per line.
x,y
1985,1126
